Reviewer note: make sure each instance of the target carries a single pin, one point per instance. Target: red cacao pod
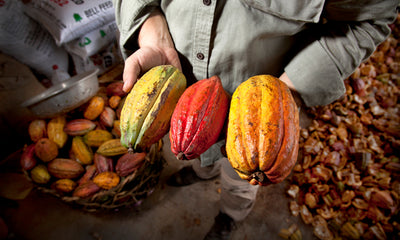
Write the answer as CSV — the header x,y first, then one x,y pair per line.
x,y
28,158
107,117
115,89
129,162
103,163
77,127
86,189
90,172
198,118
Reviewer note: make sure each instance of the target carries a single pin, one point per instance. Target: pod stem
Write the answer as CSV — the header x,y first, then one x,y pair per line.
x,y
130,149
259,176
181,156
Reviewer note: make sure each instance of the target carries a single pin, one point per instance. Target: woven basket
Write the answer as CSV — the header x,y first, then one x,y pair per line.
x,y
130,191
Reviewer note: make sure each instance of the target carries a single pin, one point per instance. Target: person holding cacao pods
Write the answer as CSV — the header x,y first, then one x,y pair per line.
x,y
311,45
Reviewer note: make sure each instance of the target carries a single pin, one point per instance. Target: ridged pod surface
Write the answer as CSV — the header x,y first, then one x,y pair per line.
x,y
198,118
55,130
263,130
112,148
97,137
146,113
82,152
37,129
65,168
77,127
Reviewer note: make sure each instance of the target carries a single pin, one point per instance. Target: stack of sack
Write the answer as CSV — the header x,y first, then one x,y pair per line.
x,y
60,38
43,42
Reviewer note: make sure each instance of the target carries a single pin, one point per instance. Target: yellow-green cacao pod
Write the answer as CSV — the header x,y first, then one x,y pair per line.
x,y
146,114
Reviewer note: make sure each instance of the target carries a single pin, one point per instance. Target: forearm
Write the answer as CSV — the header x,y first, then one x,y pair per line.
x,y
130,16
154,32
333,50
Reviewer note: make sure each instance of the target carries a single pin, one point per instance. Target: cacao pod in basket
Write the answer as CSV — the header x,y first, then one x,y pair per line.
x,y
37,129
263,130
129,162
82,153
198,118
77,127
146,113
55,130
65,168
28,158
111,148
95,108
46,150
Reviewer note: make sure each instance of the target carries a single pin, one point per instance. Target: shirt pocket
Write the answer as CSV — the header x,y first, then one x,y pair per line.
x,y
308,11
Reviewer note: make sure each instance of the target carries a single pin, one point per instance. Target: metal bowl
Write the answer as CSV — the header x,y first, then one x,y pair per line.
x,y
65,96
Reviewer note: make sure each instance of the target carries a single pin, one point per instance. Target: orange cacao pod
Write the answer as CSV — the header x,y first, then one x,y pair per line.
x,y
82,152
97,137
129,162
86,189
263,130
65,168
106,180
55,131
77,127
198,118
64,185
28,159
111,148
94,108
114,101
37,129
46,150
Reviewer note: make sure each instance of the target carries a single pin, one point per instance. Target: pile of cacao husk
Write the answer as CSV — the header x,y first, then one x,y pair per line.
x,y
346,184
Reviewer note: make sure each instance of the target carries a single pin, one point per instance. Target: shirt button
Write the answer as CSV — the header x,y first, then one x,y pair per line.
x,y
200,56
207,2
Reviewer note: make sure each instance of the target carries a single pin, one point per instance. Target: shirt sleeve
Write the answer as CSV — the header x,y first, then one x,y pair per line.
x,y
351,33
129,16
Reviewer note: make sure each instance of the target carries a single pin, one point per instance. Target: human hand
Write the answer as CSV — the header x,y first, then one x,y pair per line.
x,y
144,59
285,78
155,48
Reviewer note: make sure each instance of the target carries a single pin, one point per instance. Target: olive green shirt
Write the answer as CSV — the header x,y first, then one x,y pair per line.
x,y
318,43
